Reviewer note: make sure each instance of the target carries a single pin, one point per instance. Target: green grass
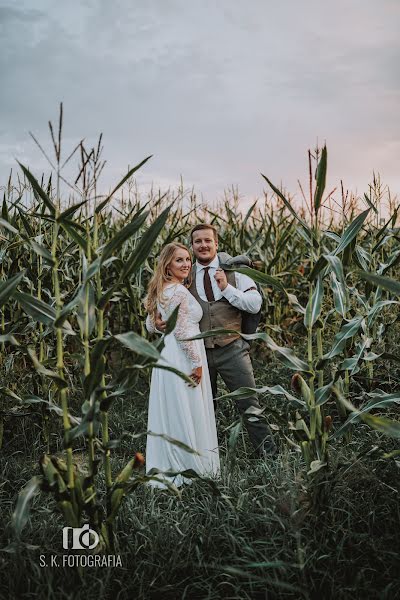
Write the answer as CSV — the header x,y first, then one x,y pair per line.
x,y
260,536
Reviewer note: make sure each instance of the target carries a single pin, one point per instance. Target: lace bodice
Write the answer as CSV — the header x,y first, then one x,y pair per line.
x,y
187,324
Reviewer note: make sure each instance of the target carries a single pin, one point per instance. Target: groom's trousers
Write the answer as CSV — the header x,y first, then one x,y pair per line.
x,y
233,364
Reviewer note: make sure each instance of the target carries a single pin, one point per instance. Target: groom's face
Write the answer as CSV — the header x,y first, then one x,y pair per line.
x,y
204,245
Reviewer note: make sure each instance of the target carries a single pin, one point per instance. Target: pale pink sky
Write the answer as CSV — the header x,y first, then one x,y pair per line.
x,y
217,91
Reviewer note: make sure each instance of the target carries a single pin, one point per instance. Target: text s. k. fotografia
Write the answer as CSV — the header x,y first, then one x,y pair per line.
x,y
80,560
80,538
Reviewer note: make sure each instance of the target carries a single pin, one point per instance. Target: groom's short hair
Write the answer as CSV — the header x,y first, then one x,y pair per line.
x,y
201,226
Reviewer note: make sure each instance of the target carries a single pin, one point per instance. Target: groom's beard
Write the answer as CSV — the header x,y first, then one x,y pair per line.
x,y
205,261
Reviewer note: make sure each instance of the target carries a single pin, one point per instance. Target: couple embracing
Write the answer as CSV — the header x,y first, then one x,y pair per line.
x,y
208,298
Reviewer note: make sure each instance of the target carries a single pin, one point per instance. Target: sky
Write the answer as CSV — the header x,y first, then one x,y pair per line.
x,y
217,92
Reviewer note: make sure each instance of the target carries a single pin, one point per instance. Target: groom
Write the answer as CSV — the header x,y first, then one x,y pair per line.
x,y
223,296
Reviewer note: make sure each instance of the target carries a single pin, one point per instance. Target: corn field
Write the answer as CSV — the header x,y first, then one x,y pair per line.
x,y
76,359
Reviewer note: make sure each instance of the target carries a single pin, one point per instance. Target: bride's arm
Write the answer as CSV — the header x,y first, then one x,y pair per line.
x,y
181,298
150,326
153,326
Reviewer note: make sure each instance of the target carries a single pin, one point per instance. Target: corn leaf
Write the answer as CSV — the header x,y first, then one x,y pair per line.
x,y
38,190
100,207
380,400
8,337
375,310
58,380
340,295
261,278
22,510
288,206
314,304
136,343
8,287
293,301
125,233
71,228
97,366
67,308
42,251
323,394
347,238
386,426
35,308
351,232
285,355
321,179
4,223
384,282
247,392
141,252
174,442
171,369
71,210
348,331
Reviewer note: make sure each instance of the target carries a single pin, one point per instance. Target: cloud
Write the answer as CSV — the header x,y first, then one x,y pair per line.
x,y
217,92
9,15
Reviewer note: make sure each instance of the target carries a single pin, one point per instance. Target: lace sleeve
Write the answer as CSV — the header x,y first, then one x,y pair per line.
x,y
151,328
189,347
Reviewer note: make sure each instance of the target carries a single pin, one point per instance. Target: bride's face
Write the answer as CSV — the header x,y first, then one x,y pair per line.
x,y
180,265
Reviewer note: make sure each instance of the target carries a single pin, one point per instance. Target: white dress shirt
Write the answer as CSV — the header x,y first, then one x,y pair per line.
x,y
250,301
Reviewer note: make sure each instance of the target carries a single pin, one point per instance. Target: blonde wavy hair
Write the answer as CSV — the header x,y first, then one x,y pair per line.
x,y
161,277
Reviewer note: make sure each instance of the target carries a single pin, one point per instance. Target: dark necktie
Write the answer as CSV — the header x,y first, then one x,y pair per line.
x,y
207,286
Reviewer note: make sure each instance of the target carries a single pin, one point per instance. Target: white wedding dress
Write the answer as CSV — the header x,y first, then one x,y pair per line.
x,y
175,409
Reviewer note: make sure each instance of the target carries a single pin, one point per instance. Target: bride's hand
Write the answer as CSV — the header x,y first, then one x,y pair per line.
x,y
196,375
160,324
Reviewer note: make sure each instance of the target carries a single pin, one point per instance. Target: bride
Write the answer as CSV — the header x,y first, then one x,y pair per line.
x,y
183,412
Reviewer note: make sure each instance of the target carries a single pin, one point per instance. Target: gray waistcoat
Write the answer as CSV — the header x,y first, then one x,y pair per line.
x,y
218,314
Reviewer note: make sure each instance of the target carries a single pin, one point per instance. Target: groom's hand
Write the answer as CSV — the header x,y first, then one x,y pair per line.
x,y
220,278
160,324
